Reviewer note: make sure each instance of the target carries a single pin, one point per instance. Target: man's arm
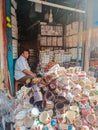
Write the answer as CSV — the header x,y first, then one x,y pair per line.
x,y
30,73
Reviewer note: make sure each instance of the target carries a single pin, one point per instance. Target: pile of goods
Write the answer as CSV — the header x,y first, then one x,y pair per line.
x,y
63,99
57,56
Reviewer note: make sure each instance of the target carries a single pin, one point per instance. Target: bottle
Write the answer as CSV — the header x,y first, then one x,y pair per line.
x,y
50,16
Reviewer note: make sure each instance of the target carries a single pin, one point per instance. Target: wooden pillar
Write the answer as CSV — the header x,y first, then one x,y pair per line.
x,y
3,46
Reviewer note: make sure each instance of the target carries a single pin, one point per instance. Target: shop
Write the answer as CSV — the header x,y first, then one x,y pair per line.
x,y
51,32
57,35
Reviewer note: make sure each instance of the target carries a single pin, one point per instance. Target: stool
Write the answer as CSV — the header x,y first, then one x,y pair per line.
x,y
16,85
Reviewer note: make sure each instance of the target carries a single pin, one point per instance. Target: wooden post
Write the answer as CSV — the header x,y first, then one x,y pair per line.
x,y
3,46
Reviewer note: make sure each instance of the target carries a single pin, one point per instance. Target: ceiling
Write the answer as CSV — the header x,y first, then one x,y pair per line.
x,y
27,16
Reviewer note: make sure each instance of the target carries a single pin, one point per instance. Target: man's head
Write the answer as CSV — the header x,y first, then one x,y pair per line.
x,y
25,53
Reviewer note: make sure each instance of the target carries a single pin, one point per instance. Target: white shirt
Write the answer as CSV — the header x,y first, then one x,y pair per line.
x,y
21,64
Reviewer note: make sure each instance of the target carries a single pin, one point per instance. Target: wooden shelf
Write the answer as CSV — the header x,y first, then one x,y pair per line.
x,y
71,35
51,35
50,46
93,58
73,47
74,60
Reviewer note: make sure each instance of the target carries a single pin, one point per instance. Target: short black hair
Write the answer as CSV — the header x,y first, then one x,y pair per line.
x,y
23,50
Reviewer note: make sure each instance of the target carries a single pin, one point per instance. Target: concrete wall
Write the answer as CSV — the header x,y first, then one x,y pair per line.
x,y
94,13
92,23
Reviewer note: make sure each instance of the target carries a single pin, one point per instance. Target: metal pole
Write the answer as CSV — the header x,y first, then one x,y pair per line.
x,y
58,6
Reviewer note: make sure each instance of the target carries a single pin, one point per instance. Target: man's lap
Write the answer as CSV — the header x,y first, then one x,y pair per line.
x,y
26,79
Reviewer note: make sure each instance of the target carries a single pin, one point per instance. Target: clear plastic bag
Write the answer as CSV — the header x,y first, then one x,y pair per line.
x,y
6,106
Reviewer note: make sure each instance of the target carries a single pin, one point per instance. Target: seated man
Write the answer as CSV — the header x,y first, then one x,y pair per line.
x,y
22,69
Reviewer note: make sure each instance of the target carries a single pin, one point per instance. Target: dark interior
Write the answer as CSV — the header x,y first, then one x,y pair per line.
x,y
27,16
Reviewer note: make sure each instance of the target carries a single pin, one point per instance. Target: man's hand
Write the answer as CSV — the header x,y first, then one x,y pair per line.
x,y
30,73
34,75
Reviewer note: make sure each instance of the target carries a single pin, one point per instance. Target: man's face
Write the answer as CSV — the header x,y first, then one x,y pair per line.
x,y
25,54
